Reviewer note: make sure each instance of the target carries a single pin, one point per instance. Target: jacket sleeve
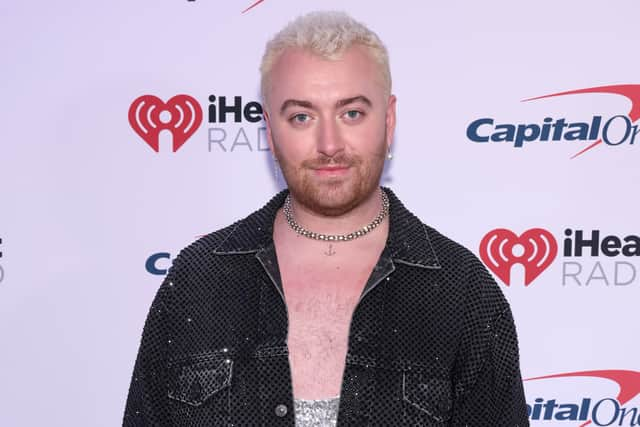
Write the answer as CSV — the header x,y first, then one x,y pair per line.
x,y
488,389
147,402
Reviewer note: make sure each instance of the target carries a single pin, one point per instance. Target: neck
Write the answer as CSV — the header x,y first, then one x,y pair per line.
x,y
350,221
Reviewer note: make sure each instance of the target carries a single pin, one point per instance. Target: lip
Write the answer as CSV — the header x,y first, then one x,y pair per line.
x,y
331,170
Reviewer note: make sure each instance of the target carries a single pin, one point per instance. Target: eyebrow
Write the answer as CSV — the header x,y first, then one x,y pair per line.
x,y
294,102
341,103
353,99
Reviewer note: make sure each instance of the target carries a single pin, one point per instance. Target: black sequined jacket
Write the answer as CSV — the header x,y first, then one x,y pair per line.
x,y
432,341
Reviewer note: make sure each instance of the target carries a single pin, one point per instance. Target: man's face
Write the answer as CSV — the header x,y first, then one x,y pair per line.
x,y
330,123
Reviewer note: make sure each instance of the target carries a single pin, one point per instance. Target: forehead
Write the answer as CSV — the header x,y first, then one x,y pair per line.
x,y
301,74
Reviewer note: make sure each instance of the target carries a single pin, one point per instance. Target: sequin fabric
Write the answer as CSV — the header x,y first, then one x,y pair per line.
x,y
432,341
316,413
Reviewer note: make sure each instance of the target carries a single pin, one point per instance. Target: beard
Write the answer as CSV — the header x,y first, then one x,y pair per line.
x,y
333,196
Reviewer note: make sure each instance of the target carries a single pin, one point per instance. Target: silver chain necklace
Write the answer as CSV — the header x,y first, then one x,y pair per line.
x,y
384,211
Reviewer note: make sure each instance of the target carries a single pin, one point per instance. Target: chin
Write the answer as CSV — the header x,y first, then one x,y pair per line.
x,y
332,198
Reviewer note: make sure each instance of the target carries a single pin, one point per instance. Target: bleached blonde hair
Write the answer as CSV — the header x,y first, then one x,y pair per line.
x,y
327,34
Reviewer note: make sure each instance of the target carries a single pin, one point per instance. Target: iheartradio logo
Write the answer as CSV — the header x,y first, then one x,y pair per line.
x,y
535,250
149,115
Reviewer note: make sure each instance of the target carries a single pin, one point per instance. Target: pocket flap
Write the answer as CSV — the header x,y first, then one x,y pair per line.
x,y
195,383
428,394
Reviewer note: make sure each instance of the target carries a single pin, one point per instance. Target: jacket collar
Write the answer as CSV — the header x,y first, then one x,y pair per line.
x,y
408,240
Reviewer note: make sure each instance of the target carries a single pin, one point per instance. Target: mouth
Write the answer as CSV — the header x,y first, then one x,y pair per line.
x,y
331,170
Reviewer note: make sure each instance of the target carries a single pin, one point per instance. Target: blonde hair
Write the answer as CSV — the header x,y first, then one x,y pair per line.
x,y
326,34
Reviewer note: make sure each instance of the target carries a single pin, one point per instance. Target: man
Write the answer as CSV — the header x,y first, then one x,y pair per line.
x,y
333,300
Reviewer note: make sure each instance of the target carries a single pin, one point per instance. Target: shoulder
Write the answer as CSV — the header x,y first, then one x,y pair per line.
x,y
480,303
206,246
454,256
244,237
467,271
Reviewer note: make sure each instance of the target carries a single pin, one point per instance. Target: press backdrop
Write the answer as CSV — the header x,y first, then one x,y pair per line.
x,y
91,214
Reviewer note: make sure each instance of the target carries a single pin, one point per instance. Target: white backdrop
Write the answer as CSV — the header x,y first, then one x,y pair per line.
x,y
84,201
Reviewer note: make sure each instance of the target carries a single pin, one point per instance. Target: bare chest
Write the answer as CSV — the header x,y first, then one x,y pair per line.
x,y
320,305
322,287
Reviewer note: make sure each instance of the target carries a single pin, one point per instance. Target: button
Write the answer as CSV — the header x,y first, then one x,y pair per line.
x,y
281,410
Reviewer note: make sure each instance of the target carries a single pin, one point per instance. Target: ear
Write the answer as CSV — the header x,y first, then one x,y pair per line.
x,y
391,120
267,121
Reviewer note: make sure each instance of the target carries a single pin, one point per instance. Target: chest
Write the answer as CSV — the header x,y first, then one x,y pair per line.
x,y
321,299
319,313
322,287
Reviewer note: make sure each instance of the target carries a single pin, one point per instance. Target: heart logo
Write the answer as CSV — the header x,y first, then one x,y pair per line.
x,y
184,118
535,250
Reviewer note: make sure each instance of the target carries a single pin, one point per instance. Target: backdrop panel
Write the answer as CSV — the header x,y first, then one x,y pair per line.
x,y
91,214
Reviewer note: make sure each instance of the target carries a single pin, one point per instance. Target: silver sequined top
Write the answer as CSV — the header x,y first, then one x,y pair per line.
x,y
316,413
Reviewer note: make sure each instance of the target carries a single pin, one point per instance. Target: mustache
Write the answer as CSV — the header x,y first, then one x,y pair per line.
x,y
340,160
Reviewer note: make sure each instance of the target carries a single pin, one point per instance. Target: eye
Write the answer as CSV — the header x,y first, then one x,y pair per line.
x,y
300,118
353,114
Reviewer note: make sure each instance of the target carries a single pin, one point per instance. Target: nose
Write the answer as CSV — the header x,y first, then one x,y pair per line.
x,y
329,141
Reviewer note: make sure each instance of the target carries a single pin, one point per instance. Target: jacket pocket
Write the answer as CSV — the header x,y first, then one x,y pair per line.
x,y
196,383
427,399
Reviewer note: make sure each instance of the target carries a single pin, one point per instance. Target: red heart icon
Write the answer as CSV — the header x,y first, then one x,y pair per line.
x,y
539,249
185,118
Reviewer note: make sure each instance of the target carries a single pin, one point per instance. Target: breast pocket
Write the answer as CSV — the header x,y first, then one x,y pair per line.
x,y
427,399
201,391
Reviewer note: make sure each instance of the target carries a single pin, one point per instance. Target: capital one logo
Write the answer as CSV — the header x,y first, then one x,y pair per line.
x,y
180,115
614,131
535,250
606,411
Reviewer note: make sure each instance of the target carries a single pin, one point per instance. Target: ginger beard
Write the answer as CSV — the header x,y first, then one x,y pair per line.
x,y
333,196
